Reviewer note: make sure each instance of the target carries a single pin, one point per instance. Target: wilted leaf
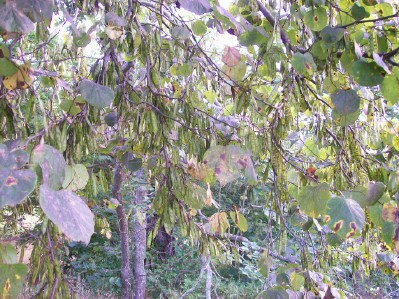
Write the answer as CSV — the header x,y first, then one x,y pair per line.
x,y
12,277
52,164
113,32
346,101
231,56
313,199
95,94
390,213
218,223
69,212
345,217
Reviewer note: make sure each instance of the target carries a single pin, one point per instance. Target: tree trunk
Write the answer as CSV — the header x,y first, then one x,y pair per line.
x,y
208,280
139,236
123,231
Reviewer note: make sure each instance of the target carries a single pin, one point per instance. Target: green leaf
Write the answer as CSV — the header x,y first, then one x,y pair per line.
x,y
389,93
345,217
36,10
76,177
237,72
346,101
250,38
81,40
8,254
297,281
52,164
344,119
15,183
69,212
375,191
367,73
304,64
312,200
316,18
359,12
7,67
4,51
265,262
273,293
239,220
12,277
194,196
13,20
331,35
112,19
199,28
69,107
95,94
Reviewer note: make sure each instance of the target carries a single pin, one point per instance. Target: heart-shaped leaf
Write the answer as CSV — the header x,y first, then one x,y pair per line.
x,y
304,64
316,18
346,101
313,199
391,94
69,212
95,94
331,35
367,73
344,119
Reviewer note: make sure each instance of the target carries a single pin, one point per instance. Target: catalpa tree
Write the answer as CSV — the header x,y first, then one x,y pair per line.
x,y
97,94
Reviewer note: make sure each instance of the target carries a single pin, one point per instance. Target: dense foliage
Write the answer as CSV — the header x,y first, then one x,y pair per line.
x,y
129,120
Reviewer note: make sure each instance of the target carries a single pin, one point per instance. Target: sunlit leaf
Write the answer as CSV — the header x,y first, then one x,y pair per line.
x,y
218,223
345,217
76,177
52,164
345,119
316,18
69,212
12,277
7,67
97,95
199,28
237,72
313,199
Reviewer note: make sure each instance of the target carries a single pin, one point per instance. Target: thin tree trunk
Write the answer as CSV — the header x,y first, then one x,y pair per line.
x,y
123,231
139,236
208,280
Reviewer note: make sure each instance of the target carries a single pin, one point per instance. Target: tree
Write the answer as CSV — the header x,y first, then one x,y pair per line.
x,y
304,107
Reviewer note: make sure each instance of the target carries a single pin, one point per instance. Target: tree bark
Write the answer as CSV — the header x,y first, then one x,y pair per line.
x,y
123,231
208,280
139,236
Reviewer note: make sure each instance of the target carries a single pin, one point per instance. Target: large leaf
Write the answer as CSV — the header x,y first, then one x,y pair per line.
x,y
367,73
273,293
95,94
12,277
345,217
15,183
8,254
237,72
316,18
198,7
346,101
52,164
14,20
391,94
331,35
218,223
194,196
76,177
313,199
36,10
69,212
344,119
231,56
7,67
304,64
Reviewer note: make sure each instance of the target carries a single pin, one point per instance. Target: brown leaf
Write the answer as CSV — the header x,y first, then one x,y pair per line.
x,y
231,56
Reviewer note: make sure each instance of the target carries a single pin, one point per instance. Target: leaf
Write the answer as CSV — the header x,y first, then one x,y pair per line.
x,y
180,32
250,38
239,220
378,60
218,223
359,12
7,67
344,119
237,72
346,101
36,10
374,193
304,64
194,196
345,217
70,107
81,40
316,18
198,7
113,32
231,56
12,277
390,213
21,79
199,28
265,262
52,164
297,281
13,20
97,95
15,183
273,293
76,177
389,93
331,35
312,200
69,212
367,73
8,254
